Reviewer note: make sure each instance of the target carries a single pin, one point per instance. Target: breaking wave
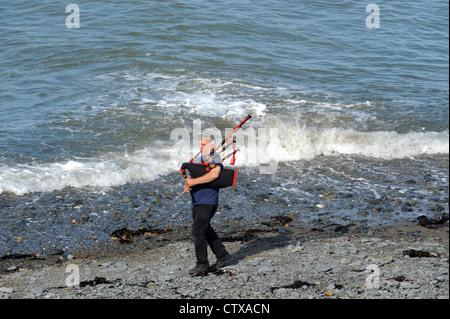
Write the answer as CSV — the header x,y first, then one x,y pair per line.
x,y
270,140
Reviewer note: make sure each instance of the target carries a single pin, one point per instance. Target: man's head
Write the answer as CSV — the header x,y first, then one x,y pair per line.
x,y
207,144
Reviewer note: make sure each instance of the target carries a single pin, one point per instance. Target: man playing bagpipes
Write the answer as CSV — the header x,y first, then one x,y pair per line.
x,y
208,176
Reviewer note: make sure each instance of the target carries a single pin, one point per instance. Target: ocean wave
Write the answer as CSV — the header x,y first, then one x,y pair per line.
x,y
277,141
108,171
298,141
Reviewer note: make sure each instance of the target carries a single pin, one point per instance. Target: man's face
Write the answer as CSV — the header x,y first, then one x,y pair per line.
x,y
206,147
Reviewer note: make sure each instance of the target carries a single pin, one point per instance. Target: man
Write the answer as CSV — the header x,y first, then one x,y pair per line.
x,y
205,201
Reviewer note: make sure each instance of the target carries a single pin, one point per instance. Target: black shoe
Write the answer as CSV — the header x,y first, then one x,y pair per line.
x,y
198,270
222,262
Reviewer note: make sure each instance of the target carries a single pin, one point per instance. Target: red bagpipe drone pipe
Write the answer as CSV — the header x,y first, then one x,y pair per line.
x,y
227,176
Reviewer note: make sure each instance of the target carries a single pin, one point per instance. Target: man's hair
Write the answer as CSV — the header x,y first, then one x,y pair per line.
x,y
205,137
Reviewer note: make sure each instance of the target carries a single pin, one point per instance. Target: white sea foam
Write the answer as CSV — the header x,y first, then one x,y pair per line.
x,y
285,143
271,141
112,170
282,130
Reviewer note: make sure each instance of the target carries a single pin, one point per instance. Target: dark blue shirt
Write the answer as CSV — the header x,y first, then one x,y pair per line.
x,y
203,195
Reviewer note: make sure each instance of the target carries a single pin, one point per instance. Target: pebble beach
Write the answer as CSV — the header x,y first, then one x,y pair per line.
x,y
336,245
285,263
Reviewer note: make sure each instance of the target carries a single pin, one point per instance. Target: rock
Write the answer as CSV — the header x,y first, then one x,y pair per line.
x,y
163,278
259,198
77,203
341,229
37,291
429,178
6,290
122,264
326,192
276,200
12,268
282,291
397,203
266,270
406,209
408,285
293,248
419,253
438,209
245,277
258,260
172,269
330,287
55,252
278,221
323,268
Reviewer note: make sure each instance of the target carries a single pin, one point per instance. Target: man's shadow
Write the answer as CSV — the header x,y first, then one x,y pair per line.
x,y
259,241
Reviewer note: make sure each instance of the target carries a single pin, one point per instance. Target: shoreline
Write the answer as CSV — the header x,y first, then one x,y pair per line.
x,y
344,190
343,215
280,262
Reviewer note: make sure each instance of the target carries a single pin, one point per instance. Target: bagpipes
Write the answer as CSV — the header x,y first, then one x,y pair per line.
x,y
227,176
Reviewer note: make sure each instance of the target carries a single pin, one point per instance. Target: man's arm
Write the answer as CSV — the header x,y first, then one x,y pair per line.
x,y
207,178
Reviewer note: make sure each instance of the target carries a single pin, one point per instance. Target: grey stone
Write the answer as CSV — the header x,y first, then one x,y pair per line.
x,y
37,291
55,252
266,270
6,290
12,268
323,268
408,285
330,287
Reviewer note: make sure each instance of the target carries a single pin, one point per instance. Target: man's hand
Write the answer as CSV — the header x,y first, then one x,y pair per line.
x,y
189,182
186,188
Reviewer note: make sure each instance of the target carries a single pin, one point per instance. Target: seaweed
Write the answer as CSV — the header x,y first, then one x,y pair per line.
x,y
125,235
295,285
244,235
278,221
419,253
424,221
97,281
31,256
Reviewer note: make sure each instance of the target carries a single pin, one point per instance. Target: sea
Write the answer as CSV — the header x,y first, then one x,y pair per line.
x,y
101,94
